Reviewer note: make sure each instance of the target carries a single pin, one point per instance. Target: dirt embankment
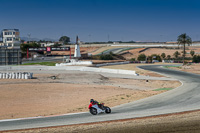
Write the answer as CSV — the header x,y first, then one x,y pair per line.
x,y
135,52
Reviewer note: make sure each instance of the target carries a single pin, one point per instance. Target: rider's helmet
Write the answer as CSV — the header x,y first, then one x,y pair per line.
x,y
91,100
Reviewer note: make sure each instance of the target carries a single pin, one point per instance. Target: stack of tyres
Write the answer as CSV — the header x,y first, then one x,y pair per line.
x,y
16,75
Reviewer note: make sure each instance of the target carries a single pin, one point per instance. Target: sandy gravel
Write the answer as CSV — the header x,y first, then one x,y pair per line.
x,y
70,92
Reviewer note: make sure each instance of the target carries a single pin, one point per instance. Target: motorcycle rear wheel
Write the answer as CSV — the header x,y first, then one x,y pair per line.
x,y
107,109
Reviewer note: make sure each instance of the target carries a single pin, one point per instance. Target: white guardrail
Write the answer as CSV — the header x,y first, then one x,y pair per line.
x,y
115,63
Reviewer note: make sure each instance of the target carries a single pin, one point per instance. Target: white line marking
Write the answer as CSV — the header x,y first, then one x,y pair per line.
x,y
27,118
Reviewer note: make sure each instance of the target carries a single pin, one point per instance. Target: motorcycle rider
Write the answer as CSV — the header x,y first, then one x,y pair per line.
x,y
93,102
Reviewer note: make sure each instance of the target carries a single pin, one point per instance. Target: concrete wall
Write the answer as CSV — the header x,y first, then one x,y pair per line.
x,y
75,63
69,68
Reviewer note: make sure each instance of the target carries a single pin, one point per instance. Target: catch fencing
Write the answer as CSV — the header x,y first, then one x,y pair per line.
x,y
10,56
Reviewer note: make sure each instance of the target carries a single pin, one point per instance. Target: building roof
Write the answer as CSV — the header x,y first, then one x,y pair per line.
x,y
10,30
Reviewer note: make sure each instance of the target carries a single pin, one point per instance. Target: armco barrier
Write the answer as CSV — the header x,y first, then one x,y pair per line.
x,y
109,64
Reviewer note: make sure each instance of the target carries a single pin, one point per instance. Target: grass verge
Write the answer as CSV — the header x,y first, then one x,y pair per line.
x,y
163,89
42,63
171,66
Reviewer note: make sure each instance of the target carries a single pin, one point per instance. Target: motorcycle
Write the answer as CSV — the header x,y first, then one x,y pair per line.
x,y
97,109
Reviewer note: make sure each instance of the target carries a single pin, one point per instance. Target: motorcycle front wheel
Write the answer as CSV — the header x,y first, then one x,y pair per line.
x,y
93,111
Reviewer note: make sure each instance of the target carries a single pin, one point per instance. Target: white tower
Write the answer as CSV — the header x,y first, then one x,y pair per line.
x,y
77,48
11,38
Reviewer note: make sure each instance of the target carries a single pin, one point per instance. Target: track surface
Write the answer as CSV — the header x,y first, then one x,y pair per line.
x,y
184,98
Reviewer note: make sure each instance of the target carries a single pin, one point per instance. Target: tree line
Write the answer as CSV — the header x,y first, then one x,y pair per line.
x,y
182,39
63,41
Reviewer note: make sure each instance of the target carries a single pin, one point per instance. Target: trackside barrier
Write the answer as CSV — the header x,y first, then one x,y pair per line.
x,y
109,64
105,70
70,68
73,62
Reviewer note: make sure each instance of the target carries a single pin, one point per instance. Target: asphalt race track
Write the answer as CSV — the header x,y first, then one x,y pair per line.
x,y
184,98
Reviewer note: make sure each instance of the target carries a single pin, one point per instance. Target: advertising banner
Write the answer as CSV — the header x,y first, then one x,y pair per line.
x,y
49,49
37,49
61,49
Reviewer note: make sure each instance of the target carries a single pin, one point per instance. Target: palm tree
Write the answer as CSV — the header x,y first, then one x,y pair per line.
x,y
192,53
184,39
168,57
163,55
176,54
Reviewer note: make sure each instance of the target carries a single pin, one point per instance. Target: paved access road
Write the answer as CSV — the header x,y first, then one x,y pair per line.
x,y
184,98
116,50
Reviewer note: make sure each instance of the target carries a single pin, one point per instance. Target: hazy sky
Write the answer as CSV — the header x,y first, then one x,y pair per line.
x,y
103,20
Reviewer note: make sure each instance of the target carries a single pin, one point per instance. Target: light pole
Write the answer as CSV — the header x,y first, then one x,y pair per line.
x,y
89,37
29,35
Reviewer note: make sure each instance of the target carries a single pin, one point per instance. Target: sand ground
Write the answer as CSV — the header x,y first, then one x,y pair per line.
x,y
134,67
135,52
42,92
71,92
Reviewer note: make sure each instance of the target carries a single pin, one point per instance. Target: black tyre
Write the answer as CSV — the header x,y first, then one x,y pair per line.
x,y
93,111
107,110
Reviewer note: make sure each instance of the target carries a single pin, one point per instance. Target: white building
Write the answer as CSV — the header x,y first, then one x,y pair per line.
x,y
46,44
11,38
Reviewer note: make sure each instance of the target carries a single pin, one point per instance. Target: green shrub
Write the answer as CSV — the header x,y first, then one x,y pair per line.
x,y
192,53
176,54
141,57
132,59
106,57
156,57
163,89
196,59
